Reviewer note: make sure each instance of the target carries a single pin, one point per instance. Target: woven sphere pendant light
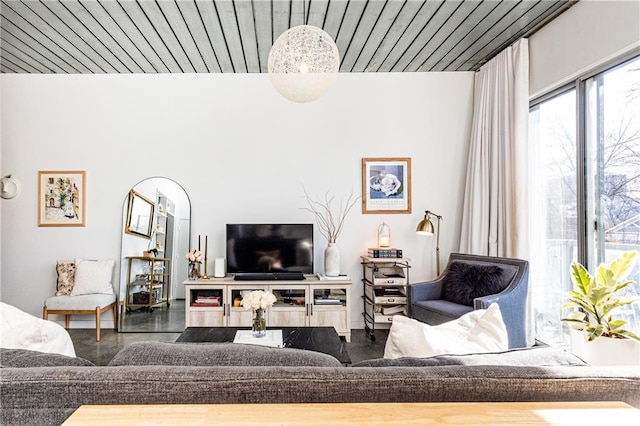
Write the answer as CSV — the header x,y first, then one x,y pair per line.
x,y
303,63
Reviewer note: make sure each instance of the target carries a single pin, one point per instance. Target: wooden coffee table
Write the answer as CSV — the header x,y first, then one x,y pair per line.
x,y
318,339
419,413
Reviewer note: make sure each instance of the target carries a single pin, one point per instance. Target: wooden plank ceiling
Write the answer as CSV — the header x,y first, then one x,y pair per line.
x,y
234,36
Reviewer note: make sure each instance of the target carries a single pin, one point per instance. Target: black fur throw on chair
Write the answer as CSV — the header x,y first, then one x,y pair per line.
x,y
466,281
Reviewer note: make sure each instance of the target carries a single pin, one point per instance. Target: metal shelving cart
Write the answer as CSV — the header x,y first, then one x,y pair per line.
x,y
148,282
385,282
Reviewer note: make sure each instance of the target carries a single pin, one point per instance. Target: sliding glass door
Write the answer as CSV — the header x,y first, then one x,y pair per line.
x,y
585,163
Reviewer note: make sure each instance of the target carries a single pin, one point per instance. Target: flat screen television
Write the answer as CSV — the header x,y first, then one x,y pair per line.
x,y
260,248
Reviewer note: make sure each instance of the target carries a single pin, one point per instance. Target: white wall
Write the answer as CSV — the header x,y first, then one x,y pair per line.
x,y
240,150
588,35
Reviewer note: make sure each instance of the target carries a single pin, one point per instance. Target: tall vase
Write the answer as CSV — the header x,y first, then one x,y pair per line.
x,y
259,324
194,271
332,260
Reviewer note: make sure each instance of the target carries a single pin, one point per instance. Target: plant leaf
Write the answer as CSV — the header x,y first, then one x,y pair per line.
x,y
623,264
592,332
581,277
628,334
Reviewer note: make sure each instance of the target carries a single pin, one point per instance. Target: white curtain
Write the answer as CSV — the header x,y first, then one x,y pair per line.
x,y
495,213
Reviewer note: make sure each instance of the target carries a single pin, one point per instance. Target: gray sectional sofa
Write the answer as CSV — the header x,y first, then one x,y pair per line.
x,y
38,388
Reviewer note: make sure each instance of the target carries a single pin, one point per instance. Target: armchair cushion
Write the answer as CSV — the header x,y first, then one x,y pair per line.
x,y
93,277
467,281
66,270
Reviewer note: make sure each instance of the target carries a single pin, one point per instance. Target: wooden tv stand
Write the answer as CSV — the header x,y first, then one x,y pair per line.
x,y
215,302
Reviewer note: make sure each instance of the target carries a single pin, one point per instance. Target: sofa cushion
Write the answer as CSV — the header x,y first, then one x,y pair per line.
x,y
24,358
466,281
481,330
218,354
66,270
534,356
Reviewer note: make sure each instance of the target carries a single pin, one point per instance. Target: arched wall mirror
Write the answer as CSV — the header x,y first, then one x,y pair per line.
x,y
156,226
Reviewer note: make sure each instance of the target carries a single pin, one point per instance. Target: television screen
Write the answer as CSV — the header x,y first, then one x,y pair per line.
x,y
270,248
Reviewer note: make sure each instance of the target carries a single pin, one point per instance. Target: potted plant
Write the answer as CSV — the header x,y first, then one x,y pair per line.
x,y
596,336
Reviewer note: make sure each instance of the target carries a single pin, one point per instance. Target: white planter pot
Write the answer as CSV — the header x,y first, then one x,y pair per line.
x,y
605,350
332,260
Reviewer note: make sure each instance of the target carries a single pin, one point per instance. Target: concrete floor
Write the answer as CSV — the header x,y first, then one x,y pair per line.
x,y
100,353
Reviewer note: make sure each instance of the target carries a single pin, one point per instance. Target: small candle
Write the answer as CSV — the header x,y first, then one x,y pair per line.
x,y
198,242
206,240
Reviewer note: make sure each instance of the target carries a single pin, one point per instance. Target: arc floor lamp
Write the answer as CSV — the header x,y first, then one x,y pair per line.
x,y
425,227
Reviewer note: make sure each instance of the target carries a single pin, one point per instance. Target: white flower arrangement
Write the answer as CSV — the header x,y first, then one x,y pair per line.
x,y
194,256
258,299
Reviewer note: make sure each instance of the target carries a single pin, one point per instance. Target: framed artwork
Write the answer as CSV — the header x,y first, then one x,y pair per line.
x,y
61,198
386,185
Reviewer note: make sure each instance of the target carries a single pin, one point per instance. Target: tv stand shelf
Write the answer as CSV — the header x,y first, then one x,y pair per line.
x,y
216,302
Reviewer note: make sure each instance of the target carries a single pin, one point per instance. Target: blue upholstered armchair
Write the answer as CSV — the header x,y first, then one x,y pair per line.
x,y
474,282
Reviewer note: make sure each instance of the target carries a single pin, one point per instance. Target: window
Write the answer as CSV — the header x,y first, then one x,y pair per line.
x,y
586,157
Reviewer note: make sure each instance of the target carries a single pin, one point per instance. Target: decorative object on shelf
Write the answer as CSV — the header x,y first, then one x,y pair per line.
x,y
330,225
9,187
195,258
332,260
425,227
303,63
258,301
386,185
598,337
206,244
384,235
150,253
61,198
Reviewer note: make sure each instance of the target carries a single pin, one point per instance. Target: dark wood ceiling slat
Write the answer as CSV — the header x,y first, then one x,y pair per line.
x,y
280,16
211,21
227,15
439,60
383,25
132,39
151,36
72,21
450,33
181,38
155,13
44,39
246,26
28,50
264,34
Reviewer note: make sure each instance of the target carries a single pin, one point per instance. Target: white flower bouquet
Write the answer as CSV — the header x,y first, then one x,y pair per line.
x,y
194,256
258,299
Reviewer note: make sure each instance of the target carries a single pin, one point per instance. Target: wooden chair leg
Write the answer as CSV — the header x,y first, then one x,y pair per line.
x,y
98,324
115,316
45,314
66,321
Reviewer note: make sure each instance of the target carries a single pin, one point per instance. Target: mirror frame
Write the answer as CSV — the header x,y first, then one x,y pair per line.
x,y
133,197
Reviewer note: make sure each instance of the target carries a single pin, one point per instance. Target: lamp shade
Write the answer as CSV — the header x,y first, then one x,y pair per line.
x,y
425,227
303,63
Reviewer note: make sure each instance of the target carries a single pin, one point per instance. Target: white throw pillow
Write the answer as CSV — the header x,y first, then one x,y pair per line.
x,y
479,331
93,277
20,330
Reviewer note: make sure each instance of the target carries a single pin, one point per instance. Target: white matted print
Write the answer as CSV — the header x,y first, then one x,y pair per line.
x,y
386,185
61,198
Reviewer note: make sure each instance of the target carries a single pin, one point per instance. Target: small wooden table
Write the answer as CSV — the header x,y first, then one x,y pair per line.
x,y
428,413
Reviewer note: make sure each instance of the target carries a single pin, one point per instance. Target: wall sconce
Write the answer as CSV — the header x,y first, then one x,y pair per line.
x,y
425,227
384,235
303,63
